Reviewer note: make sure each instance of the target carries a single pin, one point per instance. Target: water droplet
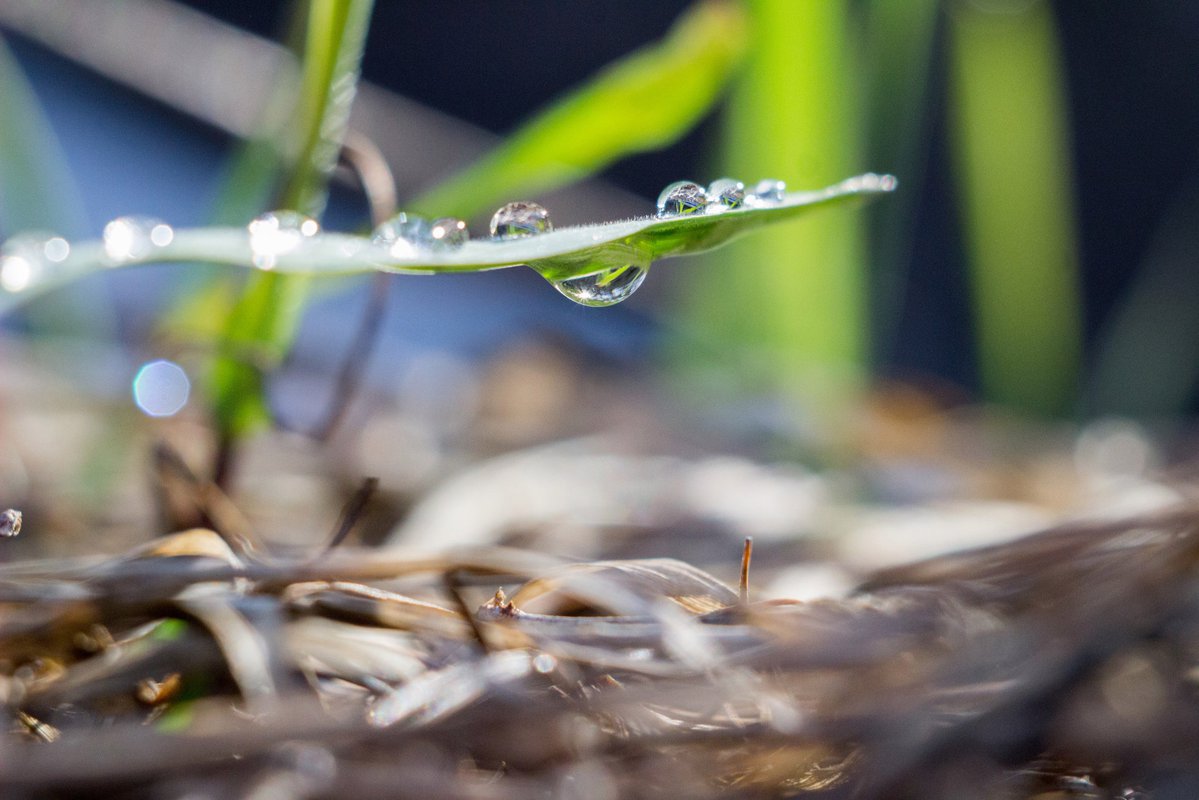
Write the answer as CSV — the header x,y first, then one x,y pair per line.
x,y
520,219
22,262
56,249
276,233
681,198
161,388
403,234
605,288
544,663
10,523
134,238
448,232
767,192
726,193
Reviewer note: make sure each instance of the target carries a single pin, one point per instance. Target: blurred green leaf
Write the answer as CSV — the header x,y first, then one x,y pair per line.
x,y
799,295
558,255
1011,142
642,102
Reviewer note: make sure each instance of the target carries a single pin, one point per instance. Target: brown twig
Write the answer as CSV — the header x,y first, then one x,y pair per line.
x,y
374,176
352,512
746,554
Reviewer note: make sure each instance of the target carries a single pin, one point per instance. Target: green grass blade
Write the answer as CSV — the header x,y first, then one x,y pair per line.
x,y
564,253
1010,136
265,319
643,102
799,293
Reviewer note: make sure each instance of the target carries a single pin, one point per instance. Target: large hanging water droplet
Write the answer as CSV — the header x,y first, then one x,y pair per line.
x,y
767,192
681,198
726,193
520,218
403,234
276,233
135,238
605,288
447,233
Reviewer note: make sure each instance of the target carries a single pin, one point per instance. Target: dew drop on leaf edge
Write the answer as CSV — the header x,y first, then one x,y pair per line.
x,y
135,238
726,193
767,192
681,198
605,288
520,218
278,232
448,232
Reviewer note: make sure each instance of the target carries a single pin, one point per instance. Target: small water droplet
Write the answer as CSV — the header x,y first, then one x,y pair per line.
x,y
22,262
605,288
544,663
10,523
276,233
403,234
448,232
134,238
681,198
767,192
56,249
726,193
161,388
520,218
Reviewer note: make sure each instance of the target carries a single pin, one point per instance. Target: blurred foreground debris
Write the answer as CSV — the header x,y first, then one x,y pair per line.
x,y
1060,665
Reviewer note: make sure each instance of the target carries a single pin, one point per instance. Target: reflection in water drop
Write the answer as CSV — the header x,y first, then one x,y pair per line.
x,y
603,288
161,388
22,262
134,238
56,249
448,232
726,193
681,198
521,218
767,192
402,235
276,233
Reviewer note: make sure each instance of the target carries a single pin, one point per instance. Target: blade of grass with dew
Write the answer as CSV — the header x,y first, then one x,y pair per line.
x,y
264,321
564,253
1008,118
798,291
642,102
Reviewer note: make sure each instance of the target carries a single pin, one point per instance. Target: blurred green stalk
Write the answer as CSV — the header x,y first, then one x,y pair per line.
x,y
1010,136
796,294
263,324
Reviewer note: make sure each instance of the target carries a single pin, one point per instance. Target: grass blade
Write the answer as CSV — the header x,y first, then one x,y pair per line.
x,y
564,253
799,294
1010,132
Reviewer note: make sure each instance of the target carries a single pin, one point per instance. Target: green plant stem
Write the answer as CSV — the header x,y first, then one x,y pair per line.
x,y
265,319
798,295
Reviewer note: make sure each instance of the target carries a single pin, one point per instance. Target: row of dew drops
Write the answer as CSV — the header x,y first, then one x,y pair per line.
x,y
29,259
